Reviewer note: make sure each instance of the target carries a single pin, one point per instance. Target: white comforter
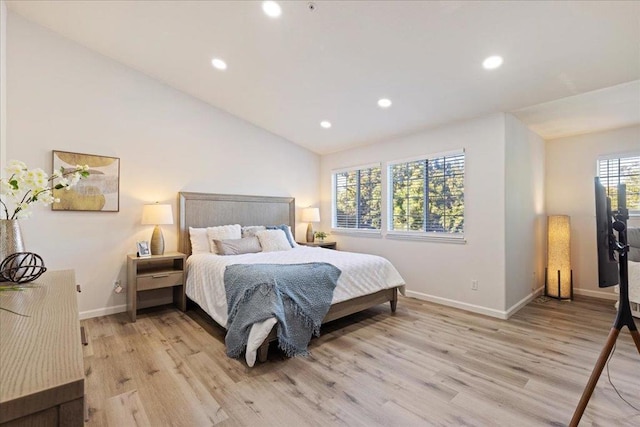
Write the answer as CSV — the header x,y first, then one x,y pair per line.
x,y
634,285
361,275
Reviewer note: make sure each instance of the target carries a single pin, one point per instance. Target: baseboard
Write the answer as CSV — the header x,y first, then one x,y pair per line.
x,y
596,294
103,311
457,304
524,301
500,314
417,295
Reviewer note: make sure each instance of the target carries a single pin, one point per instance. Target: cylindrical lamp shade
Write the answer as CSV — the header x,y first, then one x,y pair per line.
x,y
559,257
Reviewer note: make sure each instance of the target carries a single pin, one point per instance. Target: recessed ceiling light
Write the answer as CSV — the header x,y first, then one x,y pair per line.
x,y
271,8
384,103
492,62
325,124
219,64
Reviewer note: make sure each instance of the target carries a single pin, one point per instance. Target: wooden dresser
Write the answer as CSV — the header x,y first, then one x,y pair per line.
x,y
41,367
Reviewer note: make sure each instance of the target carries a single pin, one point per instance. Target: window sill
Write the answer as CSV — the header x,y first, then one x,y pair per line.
x,y
440,238
357,232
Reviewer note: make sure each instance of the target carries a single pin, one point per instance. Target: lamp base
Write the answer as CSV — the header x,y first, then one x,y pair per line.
x,y
560,296
310,236
157,241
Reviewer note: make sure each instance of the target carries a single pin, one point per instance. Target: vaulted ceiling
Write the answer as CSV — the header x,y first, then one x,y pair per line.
x,y
334,62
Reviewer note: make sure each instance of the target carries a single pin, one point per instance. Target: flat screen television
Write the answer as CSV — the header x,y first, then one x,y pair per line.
x,y
608,274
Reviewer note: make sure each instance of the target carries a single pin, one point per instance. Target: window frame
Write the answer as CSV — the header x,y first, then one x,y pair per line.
x,y
334,220
438,236
618,156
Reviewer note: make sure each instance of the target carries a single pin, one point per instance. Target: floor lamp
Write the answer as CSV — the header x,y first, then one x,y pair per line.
x,y
558,276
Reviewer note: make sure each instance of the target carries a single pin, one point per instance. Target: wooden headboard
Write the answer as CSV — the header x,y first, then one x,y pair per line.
x,y
209,210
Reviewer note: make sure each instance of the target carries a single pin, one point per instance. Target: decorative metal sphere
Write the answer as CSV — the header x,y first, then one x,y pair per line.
x,y
22,267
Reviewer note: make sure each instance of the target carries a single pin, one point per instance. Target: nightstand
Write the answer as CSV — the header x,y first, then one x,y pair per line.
x,y
155,272
317,244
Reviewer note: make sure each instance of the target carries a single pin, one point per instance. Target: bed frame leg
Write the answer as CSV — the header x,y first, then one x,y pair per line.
x,y
263,351
394,300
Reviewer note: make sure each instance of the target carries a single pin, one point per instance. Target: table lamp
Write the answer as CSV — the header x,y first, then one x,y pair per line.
x,y
310,215
157,215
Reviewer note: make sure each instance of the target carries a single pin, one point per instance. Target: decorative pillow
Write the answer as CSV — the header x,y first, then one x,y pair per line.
x,y
222,232
273,240
251,230
290,236
246,245
287,232
199,240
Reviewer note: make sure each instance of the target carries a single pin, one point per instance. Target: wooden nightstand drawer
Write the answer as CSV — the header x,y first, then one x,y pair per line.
x,y
155,272
159,280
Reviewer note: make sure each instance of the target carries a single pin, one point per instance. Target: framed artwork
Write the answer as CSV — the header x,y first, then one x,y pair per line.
x,y
143,248
100,191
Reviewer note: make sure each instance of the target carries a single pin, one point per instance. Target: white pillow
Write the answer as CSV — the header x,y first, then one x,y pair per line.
x,y
273,240
251,230
222,232
199,240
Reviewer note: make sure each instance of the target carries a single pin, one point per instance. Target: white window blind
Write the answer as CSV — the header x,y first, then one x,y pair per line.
x,y
357,197
427,195
622,170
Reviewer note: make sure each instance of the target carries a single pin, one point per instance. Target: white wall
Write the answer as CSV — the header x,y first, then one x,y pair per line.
x,y
570,169
443,272
64,97
524,212
3,85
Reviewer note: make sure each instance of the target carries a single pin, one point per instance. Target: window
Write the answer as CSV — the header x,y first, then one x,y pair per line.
x,y
622,170
357,196
427,195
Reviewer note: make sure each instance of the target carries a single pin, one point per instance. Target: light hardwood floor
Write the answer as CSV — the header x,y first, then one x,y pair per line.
x,y
425,365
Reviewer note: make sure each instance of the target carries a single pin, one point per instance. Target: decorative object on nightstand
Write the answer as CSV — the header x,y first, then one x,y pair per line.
x,y
143,248
310,215
157,214
558,274
321,235
155,272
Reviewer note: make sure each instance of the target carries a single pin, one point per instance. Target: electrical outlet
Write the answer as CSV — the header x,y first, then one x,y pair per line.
x,y
118,289
474,285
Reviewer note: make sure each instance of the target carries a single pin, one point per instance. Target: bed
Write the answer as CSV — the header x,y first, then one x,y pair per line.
x,y
633,239
357,288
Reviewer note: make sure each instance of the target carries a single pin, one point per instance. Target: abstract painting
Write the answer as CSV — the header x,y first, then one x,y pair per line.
x,y
100,191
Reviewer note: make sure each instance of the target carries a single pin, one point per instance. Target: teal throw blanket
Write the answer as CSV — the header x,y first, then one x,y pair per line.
x,y
297,295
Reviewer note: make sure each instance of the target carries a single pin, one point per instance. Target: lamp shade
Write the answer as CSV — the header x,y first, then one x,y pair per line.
x,y
559,257
157,214
310,215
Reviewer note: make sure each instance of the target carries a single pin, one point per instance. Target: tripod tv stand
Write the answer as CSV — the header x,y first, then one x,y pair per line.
x,y
623,317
